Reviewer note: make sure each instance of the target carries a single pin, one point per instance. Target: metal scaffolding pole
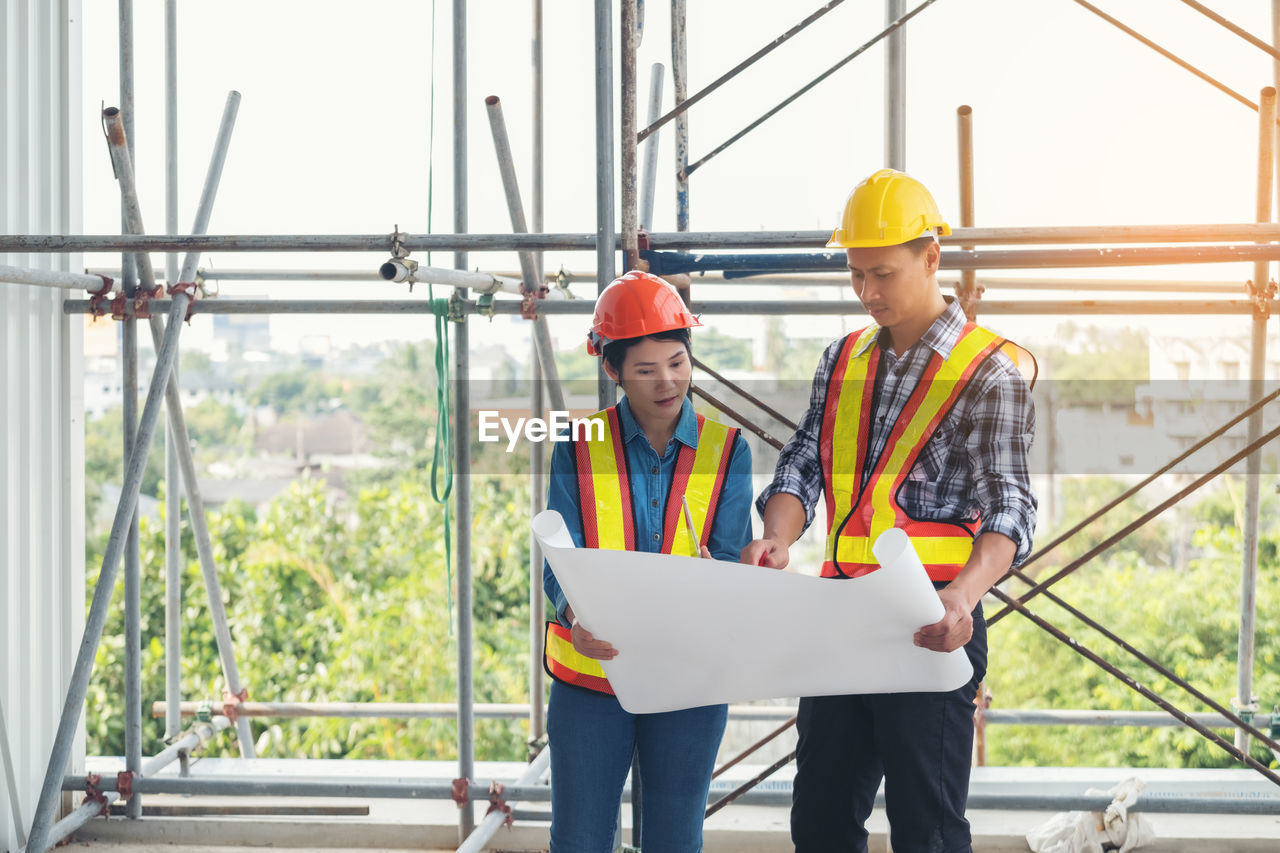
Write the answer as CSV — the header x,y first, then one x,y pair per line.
x,y
478,840
1168,54
422,790
685,103
606,239
895,89
537,450
1162,286
166,355
648,183
197,736
680,87
11,783
528,269
132,220
967,291
672,240
1246,702
172,483
177,421
425,710
53,278
889,30
462,415
1036,308
627,170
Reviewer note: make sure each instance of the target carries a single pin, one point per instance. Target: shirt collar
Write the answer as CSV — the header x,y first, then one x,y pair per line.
x,y
686,429
939,337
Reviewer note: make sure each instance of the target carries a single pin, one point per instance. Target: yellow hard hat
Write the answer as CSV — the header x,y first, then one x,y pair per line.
x,y
887,209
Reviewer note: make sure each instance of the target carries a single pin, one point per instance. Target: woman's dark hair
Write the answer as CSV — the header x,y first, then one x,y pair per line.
x,y
615,352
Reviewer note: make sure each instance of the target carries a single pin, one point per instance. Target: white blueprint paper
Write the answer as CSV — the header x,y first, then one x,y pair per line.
x,y
693,632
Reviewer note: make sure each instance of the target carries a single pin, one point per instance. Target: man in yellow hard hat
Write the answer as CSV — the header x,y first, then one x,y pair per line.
x,y
920,421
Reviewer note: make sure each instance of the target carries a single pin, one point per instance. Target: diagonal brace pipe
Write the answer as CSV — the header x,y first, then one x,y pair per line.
x,y
173,400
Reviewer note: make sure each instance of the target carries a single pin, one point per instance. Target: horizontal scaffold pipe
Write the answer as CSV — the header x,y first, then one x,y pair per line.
x,y
426,710
51,278
670,263
518,711
779,280
251,786
1070,234
1055,307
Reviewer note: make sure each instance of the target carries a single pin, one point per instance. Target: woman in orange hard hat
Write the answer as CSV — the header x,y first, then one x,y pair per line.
x,y
625,493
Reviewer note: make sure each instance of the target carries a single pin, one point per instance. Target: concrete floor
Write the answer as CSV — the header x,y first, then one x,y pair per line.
x,y
202,824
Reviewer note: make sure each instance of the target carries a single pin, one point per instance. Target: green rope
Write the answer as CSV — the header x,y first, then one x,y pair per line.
x,y
444,440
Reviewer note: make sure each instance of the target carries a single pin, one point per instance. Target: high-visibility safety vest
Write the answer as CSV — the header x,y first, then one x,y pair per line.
x,y
858,509
609,521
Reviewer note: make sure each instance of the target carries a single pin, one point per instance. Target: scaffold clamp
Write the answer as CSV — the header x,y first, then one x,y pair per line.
x,y
124,784
398,248
231,700
497,803
456,314
99,304
1261,297
92,792
461,792
191,289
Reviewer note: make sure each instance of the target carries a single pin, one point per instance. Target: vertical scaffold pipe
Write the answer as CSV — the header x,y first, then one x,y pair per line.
x,y
605,259
895,89
96,619
680,90
537,454
462,416
1245,700
117,145
648,183
627,136
172,482
967,292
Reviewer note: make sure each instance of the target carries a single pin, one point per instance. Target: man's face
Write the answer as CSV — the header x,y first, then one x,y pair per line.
x,y
894,283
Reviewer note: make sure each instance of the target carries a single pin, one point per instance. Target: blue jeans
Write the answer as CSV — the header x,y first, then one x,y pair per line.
x,y
592,740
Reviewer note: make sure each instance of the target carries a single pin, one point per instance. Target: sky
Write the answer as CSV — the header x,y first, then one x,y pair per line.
x,y
1075,123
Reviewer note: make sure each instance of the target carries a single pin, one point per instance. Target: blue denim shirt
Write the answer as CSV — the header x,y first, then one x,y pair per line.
x,y
650,484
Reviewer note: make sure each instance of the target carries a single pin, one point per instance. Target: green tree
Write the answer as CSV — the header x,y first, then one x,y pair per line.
x,y
1186,621
337,600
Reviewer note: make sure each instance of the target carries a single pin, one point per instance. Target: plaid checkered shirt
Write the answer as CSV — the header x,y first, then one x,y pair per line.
x,y
975,464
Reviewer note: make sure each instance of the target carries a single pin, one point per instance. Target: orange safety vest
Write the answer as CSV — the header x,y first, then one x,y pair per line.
x,y
608,518
859,511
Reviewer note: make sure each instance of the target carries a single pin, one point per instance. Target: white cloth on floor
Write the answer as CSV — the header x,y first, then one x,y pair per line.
x,y
1096,832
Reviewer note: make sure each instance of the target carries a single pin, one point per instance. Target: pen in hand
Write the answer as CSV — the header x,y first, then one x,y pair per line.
x,y
688,523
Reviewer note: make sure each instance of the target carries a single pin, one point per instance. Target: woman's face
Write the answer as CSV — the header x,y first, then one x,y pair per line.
x,y
655,376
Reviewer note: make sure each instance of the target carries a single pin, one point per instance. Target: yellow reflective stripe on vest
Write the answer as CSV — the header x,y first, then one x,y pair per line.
x,y
848,421
563,652
968,348
609,504
932,550
712,440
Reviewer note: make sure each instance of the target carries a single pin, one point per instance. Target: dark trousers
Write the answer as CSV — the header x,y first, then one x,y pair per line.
x,y
920,744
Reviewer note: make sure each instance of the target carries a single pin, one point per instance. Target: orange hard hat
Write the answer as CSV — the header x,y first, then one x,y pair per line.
x,y
634,305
